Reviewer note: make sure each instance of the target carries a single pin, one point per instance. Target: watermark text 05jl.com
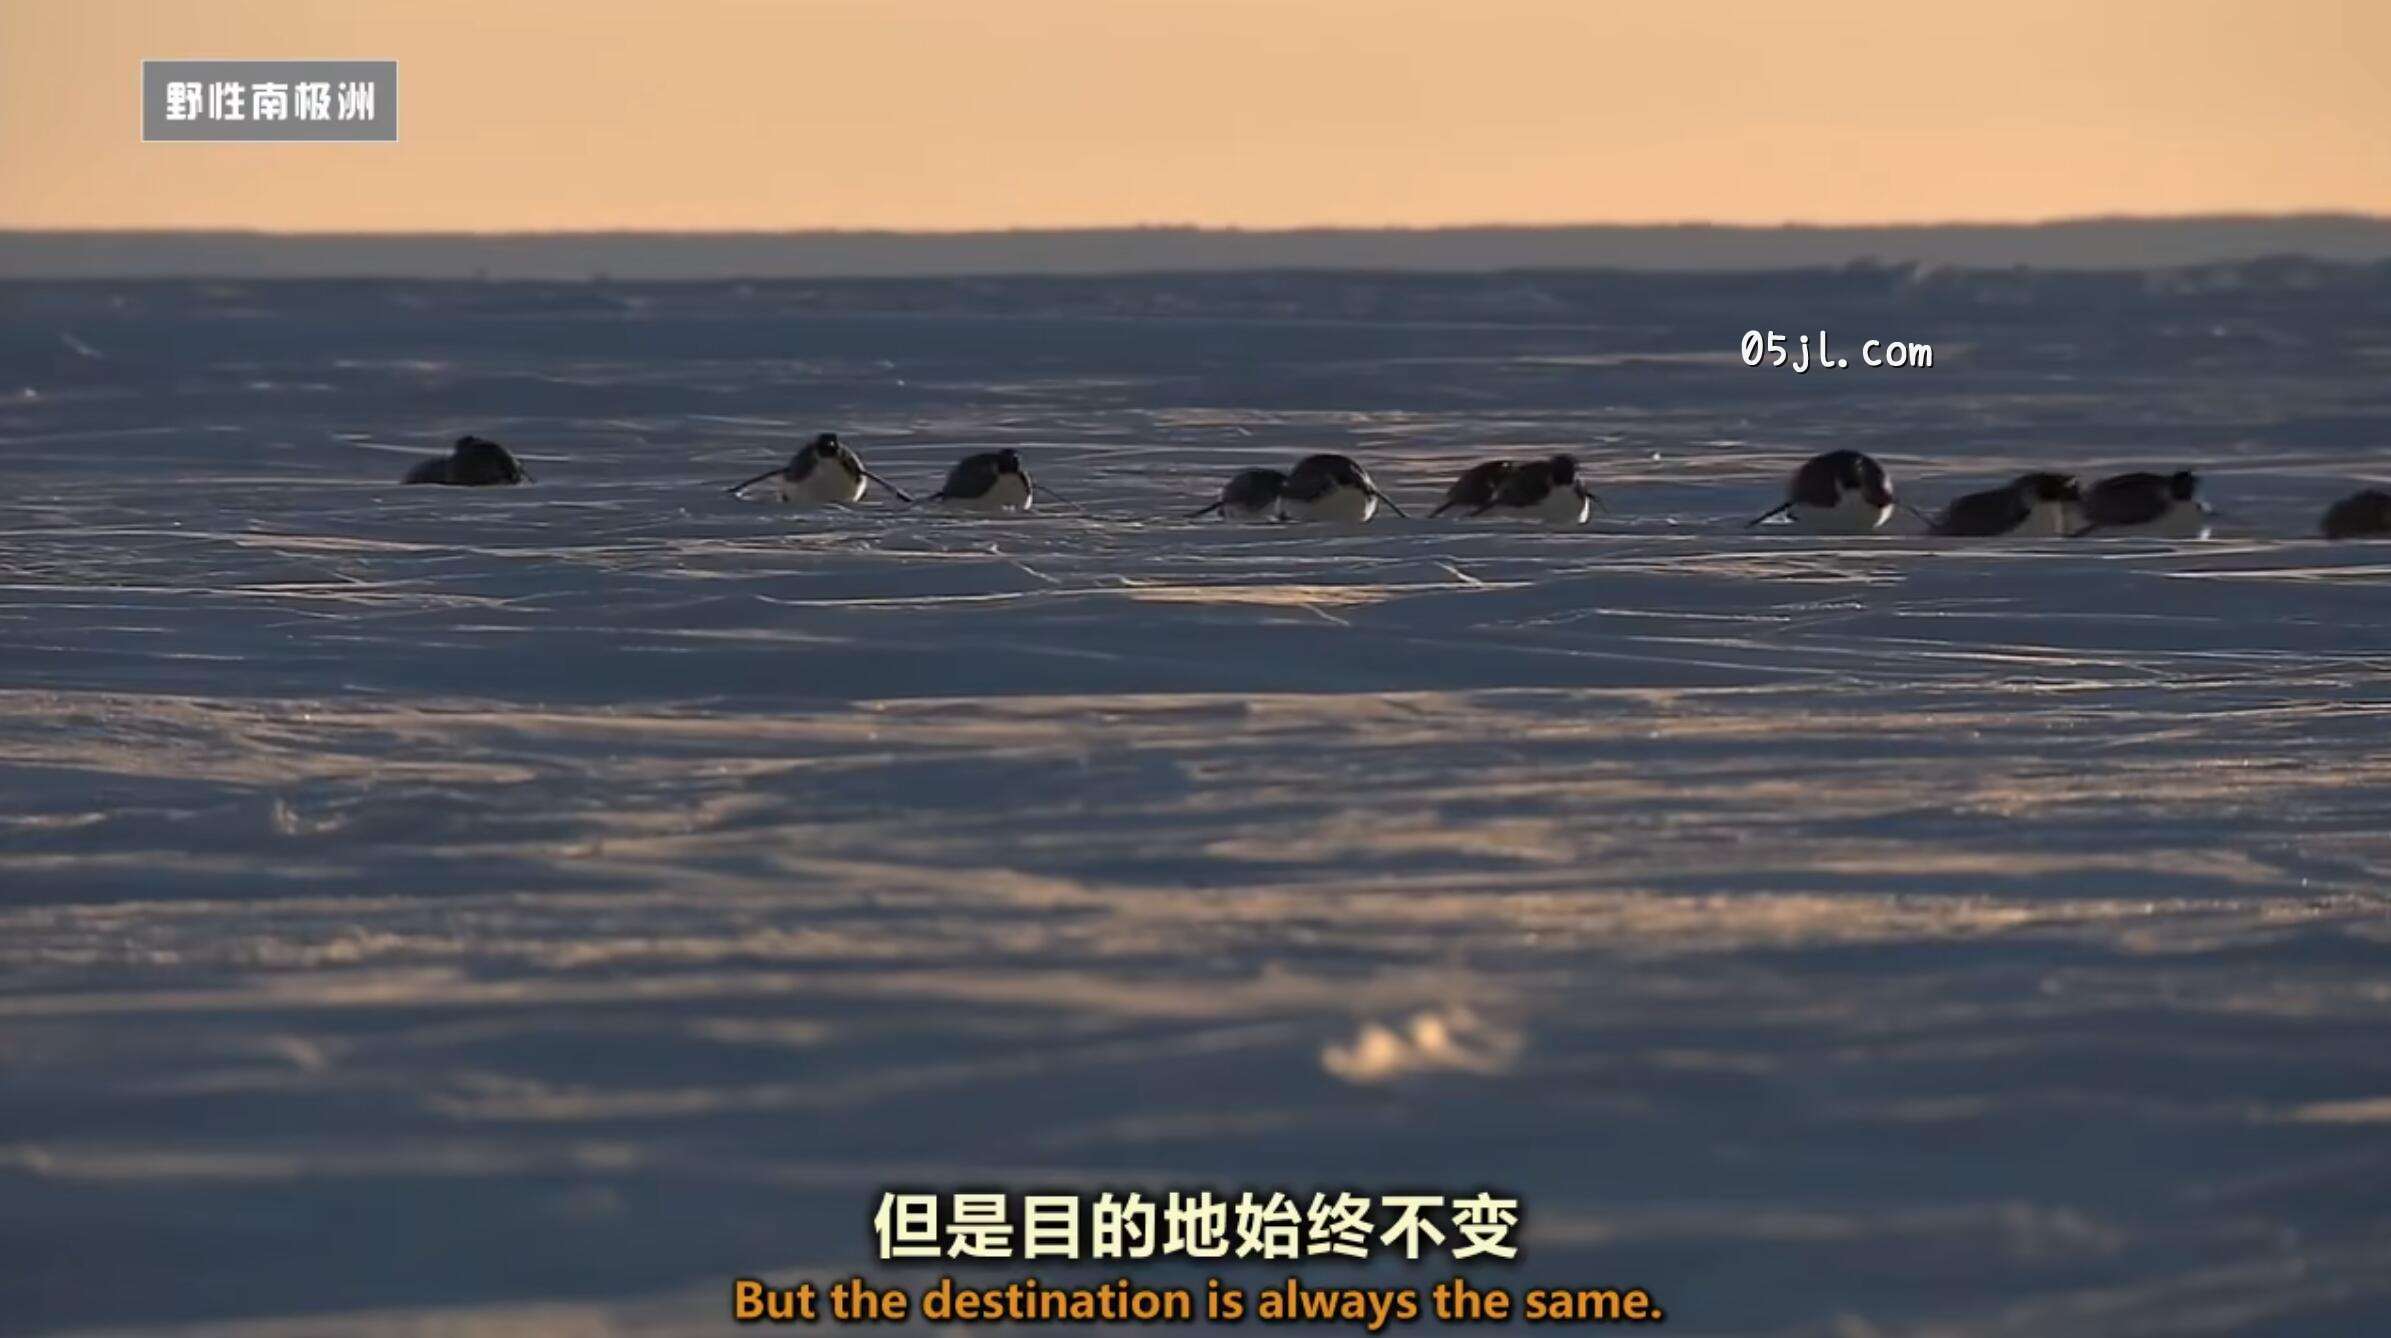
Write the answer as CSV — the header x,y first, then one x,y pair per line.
x,y
1804,352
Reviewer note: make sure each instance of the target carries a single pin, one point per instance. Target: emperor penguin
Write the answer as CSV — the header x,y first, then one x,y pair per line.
x,y
2365,514
2030,504
1476,487
1332,488
1840,492
824,472
2165,505
474,462
1250,495
989,481
1550,490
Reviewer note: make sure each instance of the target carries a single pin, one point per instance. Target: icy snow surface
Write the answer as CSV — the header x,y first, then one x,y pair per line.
x,y
520,910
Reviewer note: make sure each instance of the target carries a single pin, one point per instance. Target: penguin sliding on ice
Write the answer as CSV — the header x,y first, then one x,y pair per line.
x,y
2165,505
1551,490
1250,495
1476,488
2030,504
1840,492
1332,488
2365,514
474,462
989,481
825,471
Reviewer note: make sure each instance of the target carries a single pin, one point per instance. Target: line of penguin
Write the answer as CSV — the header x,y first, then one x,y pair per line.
x,y
1839,492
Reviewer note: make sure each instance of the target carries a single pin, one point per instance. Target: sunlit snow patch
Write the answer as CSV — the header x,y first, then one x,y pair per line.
x,y
1453,1040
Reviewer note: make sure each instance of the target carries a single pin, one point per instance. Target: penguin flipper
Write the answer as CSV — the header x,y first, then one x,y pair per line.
x,y
901,494
737,488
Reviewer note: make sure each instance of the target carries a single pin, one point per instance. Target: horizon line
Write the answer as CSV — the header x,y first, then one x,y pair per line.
x,y
1234,229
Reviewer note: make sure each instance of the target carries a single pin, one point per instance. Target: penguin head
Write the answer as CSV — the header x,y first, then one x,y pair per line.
x,y
826,445
1563,469
1008,461
1863,475
2183,485
2048,487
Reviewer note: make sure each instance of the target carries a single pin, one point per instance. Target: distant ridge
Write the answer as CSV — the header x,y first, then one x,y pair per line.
x,y
2094,243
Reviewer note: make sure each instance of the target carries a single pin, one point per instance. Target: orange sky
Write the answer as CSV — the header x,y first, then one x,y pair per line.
x,y
946,114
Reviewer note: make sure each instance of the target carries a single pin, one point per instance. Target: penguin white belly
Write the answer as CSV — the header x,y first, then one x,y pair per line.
x,y
2195,521
824,485
2047,520
1339,506
1008,493
1852,513
1561,506
2184,520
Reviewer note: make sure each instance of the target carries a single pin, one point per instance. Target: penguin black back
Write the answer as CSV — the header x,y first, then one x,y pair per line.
x,y
1316,476
474,462
1477,486
1248,491
1999,511
1254,488
2137,499
2361,515
1536,480
975,475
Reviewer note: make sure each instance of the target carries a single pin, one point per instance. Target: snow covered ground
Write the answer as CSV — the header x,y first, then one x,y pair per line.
x,y
440,910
